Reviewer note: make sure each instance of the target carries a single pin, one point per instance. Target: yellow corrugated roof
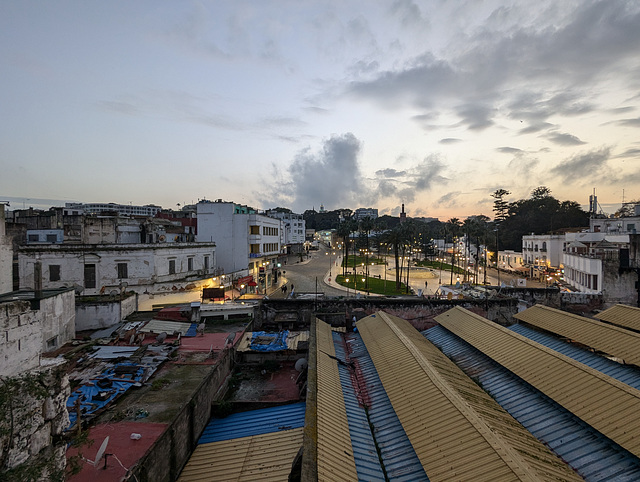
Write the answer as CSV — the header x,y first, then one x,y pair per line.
x,y
608,405
613,340
265,457
627,316
457,430
335,453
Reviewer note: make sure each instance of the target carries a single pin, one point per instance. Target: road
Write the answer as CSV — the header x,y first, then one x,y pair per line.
x,y
303,275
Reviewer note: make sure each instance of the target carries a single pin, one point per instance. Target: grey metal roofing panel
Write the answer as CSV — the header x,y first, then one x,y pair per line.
x,y
364,448
594,456
628,374
608,405
622,315
334,451
398,457
603,337
457,430
169,327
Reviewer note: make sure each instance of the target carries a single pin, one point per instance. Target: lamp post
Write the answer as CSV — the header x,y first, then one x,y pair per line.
x,y
347,280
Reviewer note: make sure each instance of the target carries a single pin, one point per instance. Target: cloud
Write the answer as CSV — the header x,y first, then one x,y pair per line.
x,y
476,116
629,153
582,165
449,200
330,176
564,139
629,122
409,13
509,150
386,173
427,174
449,140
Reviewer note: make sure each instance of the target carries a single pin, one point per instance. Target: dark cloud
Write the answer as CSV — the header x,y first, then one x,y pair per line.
x,y
629,122
476,117
449,140
582,165
331,177
427,174
386,173
564,139
386,188
509,150
629,153
409,13
449,200
566,56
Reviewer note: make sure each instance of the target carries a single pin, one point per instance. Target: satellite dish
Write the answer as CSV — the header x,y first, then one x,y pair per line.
x,y
301,364
78,289
161,337
113,292
101,451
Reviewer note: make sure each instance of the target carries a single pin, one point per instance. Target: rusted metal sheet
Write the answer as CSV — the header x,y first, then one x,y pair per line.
x,y
612,340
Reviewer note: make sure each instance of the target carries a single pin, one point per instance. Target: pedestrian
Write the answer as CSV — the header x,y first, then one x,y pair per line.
x,y
284,289
292,288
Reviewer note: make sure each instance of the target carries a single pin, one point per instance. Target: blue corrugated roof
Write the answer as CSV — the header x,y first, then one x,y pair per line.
x,y
587,451
400,460
364,449
624,373
254,422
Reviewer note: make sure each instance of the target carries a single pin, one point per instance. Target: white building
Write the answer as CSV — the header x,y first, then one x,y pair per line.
x,y
543,250
101,269
245,239
362,213
148,210
510,260
293,227
6,257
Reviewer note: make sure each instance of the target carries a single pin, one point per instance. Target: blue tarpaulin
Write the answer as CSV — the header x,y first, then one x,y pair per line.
x,y
263,341
111,383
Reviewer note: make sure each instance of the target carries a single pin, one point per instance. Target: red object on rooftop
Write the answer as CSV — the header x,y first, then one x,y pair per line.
x,y
174,313
252,283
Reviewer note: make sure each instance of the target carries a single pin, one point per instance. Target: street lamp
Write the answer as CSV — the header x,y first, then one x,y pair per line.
x,y
347,280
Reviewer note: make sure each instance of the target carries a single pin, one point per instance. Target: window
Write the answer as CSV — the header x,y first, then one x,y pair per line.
x,y
206,262
172,266
54,272
631,227
33,238
89,275
189,264
254,229
52,238
122,271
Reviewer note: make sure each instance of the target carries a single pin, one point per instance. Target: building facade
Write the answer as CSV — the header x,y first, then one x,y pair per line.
x,y
148,210
103,269
362,213
245,240
543,250
6,257
293,227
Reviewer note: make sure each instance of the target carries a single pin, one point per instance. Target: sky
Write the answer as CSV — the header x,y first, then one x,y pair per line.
x,y
434,104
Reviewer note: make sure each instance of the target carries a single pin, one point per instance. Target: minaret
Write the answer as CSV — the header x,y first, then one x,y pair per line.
x,y
403,215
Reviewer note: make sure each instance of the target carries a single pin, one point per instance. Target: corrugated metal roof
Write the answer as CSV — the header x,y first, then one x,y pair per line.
x,y
266,457
398,457
364,448
335,453
457,430
254,422
591,454
622,315
601,336
603,402
165,326
629,374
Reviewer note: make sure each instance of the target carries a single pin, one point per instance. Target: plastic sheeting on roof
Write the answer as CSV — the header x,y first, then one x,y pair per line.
x,y
111,383
263,341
